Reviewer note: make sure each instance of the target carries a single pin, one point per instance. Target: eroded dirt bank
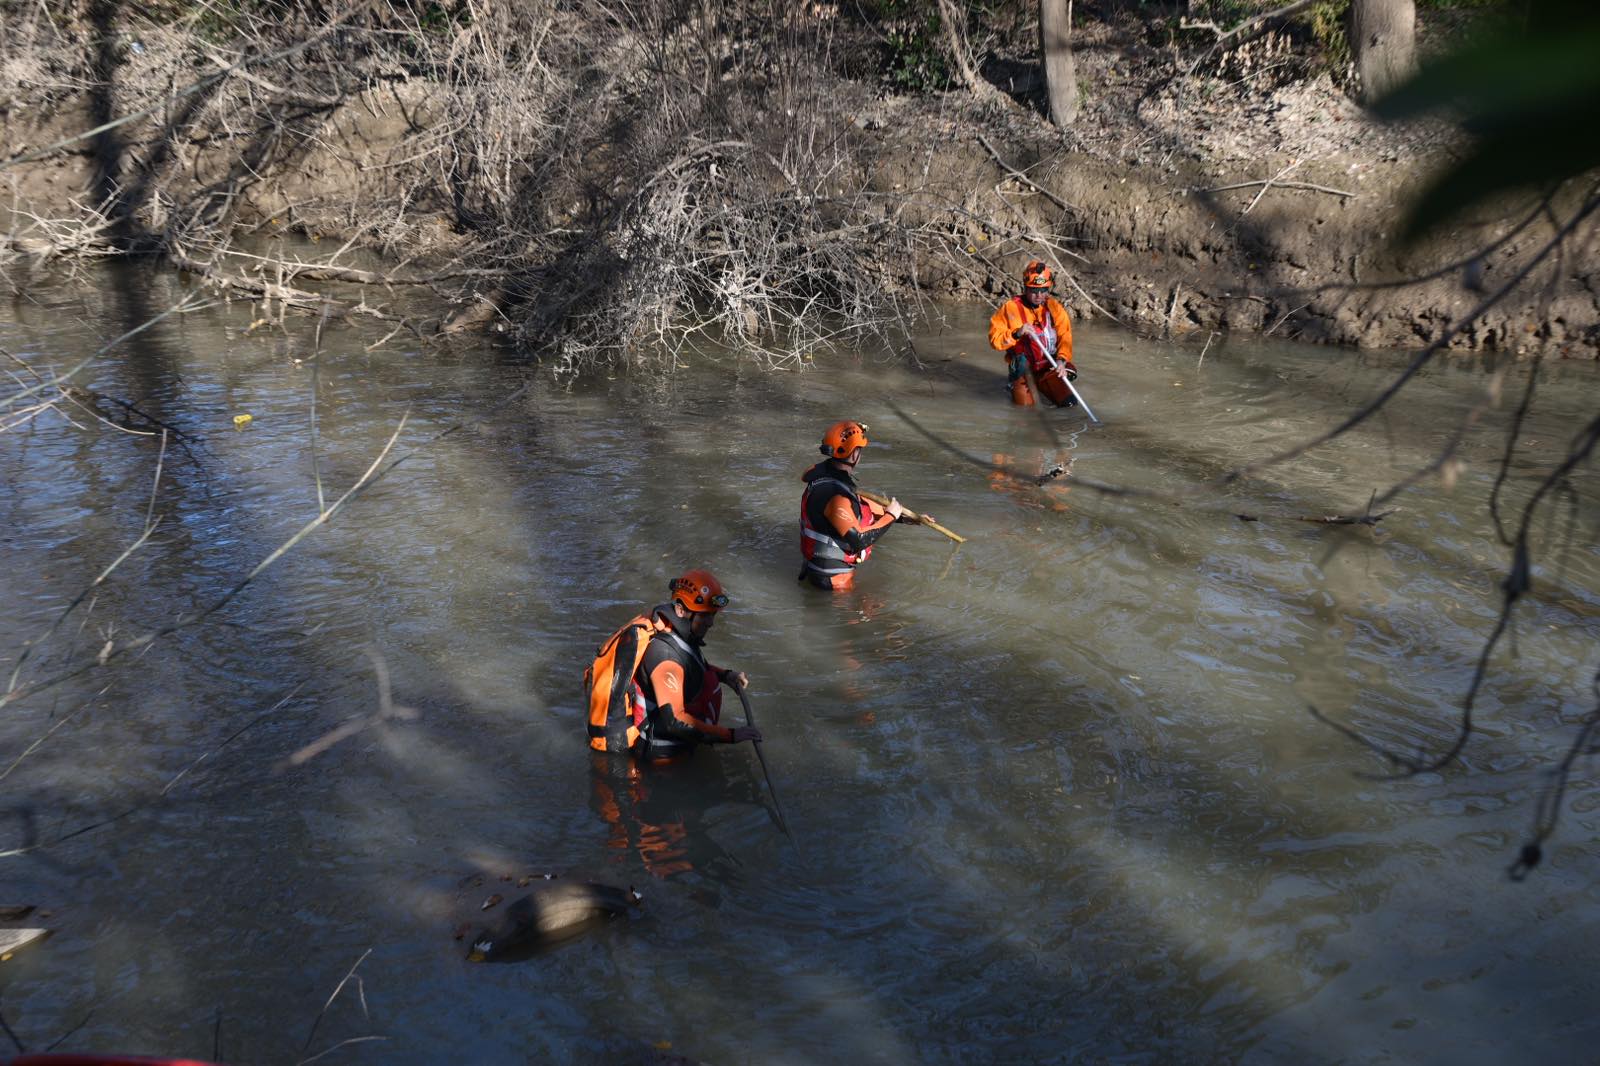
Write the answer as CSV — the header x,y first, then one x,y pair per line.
x,y
1135,204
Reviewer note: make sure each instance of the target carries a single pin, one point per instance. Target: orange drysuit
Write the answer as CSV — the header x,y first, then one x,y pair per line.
x,y
1014,314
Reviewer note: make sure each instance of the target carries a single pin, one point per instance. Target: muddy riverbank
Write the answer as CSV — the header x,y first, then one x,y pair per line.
x,y
1179,206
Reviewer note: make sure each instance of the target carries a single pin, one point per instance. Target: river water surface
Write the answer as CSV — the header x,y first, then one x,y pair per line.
x,y
1058,792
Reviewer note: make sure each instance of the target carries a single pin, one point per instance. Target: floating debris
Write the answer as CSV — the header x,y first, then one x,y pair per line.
x,y
14,940
548,915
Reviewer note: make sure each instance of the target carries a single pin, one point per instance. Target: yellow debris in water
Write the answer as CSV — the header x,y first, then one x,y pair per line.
x,y
240,421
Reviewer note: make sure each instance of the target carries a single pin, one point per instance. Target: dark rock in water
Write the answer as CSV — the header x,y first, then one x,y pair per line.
x,y
548,915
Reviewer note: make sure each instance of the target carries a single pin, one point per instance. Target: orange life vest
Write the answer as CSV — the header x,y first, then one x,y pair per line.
x,y
1040,343
609,685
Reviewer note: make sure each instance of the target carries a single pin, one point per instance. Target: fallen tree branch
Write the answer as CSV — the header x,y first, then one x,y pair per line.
x,y
112,652
185,305
286,296
1280,185
1030,183
1327,520
1243,31
295,269
1269,183
1348,520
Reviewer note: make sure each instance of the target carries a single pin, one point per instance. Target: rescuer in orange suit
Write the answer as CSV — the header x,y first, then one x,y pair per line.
x,y
652,677
1033,318
837,526
680,689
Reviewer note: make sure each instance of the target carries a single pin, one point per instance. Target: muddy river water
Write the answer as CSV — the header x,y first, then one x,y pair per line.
x,y
1058,792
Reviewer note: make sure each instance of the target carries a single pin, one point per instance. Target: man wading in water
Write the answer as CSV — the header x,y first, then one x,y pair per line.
x,y
652,674
838,527
1033,331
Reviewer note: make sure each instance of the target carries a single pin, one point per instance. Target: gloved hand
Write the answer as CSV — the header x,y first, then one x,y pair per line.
x,y
1018,333
1072,370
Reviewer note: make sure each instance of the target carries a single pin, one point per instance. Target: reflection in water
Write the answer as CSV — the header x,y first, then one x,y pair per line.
x,y
655,810
1046,487
1056,788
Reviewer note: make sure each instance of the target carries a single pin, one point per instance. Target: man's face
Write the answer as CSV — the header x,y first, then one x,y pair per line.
x,y
1035,297
701,623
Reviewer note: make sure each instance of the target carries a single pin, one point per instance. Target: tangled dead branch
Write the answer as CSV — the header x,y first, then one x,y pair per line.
x,y
629,178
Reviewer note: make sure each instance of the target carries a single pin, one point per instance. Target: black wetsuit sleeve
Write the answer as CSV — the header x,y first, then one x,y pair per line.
x,y
857,539
853,540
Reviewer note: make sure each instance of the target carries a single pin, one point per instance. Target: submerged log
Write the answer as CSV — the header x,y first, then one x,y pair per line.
x,y
1329,519
1347,520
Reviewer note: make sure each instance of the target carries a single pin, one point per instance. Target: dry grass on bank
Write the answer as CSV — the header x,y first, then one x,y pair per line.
x,y
621,178
617,180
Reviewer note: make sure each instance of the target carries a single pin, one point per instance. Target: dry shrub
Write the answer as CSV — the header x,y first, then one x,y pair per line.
x,y
656,171
639,173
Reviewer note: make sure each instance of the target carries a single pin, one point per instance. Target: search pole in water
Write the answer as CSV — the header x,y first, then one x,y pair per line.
x,y
1079,397
1055,364
777,807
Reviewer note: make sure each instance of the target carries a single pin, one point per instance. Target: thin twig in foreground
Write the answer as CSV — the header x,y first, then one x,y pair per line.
x,y
183,306
141,642
317,1022
150,523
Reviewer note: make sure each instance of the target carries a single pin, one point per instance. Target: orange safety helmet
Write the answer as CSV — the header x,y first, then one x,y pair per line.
x,y
843,438
1037,276
698,590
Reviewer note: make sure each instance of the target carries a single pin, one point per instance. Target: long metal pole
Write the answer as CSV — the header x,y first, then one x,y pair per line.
x,y
783,823
1055,364
1079,396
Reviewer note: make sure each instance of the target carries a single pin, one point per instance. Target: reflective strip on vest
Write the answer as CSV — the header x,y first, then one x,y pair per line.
x,y
827,547
829,570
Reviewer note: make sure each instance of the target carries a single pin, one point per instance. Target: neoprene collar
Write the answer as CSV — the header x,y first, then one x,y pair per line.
x,y
679,626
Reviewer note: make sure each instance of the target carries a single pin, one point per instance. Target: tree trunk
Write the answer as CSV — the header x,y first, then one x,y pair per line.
x,y
1383,41
1060,72
953,19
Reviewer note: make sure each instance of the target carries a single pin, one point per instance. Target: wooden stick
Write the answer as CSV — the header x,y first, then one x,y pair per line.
x,y
1268,184
883,501
1020,176
1280,185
